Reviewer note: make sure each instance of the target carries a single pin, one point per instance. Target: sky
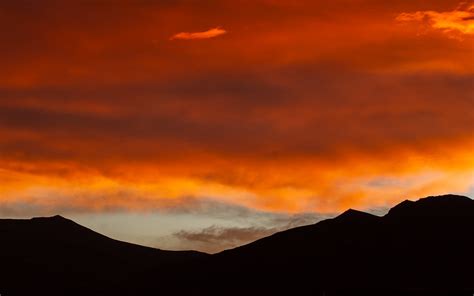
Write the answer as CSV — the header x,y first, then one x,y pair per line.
x,y
208,124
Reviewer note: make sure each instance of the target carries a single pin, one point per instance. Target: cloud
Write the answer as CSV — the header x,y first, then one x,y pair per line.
x,y
459,21
217,238
96,116
214,238
211,33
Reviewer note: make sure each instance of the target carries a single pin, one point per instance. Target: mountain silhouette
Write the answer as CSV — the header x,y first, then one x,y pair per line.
x,y
418,248
56,256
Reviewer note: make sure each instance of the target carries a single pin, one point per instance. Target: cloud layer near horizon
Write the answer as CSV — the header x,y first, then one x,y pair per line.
x,y
316,106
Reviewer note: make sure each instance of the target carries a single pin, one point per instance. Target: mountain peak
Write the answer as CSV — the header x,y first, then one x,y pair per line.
x,y
442,205
352,214
55,218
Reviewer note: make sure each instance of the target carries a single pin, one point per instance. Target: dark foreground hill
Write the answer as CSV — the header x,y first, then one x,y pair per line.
x,y
418,248
56,256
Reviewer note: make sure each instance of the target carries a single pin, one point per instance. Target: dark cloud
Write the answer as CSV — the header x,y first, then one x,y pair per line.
x,y
246,115
217,238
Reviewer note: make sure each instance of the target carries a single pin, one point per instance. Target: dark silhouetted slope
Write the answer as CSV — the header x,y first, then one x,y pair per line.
x,y
419,248
59,257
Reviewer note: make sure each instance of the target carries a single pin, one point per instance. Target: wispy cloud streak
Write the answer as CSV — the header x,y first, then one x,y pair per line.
x,y
211,33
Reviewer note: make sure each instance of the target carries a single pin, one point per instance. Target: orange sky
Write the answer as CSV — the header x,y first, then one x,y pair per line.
x,y
272,105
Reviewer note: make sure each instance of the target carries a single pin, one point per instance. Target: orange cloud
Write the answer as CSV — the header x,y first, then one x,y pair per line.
x,y
348,110
211,33
286,185
459,21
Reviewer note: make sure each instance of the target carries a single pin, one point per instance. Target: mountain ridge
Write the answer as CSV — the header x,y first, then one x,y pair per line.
x,y
421,247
